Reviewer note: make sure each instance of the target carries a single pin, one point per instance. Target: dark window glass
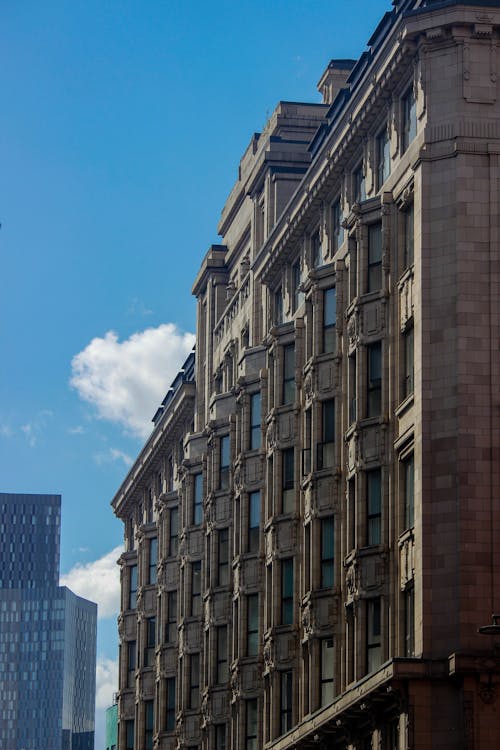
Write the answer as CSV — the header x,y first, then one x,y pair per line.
x,y
409,603
173,544
327,552
298,296
278,306
374,400
149,725
408,377
374,506
338,229
172,617
286,702
170,713
222,663
326,671
194,681
374,635
287,592
220,737
409,236
374,257
131,662
149,651
198,499
359,185
129,734
252,625
329,320
288,498
289,374
409,492
251,724
223,557
132,598
255,421
196,588
326,449
383,158
316,250
224,462
253,521
153,560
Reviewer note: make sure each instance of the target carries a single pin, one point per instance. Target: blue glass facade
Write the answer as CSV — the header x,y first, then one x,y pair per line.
x,y
47,635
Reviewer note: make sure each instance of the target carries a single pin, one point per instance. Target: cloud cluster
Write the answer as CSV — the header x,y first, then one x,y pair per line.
x,y
113,455
126,380
98,581
106,681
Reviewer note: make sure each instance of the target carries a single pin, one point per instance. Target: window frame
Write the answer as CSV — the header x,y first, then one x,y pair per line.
x,y
373,478
255,437
197,509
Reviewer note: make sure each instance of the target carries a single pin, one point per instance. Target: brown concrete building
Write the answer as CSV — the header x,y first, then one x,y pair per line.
x,y
311,529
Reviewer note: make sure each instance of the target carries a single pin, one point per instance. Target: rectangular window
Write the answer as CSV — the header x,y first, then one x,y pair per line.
x,y
408,375
251,724
374,258
374,384
222,674
338,229
374,507
153,560
173,539
220,737
373,635
316,251
132,591
171,617
149,651
170,712
297,295
409,491
197,499
278,306
288,481
196,588
351,513
329,320
131,662
194,680
286,702
326,671
409,236
129,734
326,449
225,460
327,552
359,185
288,374
383,157
353,404
253,521
223,557
287,591
149,725
353,269
255,421
409,604
350,643
252,624
409,119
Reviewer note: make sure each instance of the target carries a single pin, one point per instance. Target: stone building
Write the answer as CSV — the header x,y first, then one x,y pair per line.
x,y
310,529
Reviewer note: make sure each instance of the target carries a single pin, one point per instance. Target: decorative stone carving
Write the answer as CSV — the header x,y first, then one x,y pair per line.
x,y
235,685
352,580
308,387
205,714
308,620
271,436
268,655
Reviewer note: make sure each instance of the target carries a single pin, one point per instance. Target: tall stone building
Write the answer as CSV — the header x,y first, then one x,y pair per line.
x,y
311,527
47,634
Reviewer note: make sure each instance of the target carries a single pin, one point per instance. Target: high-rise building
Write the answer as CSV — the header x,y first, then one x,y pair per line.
x,y
47,635
310,531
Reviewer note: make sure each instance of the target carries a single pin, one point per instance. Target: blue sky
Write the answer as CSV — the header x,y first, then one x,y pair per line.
x,y
121,128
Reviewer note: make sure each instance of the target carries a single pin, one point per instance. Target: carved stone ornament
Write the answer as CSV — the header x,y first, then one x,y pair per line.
x,y
238,478
352,331
235,686
308,387
206,716
308,620
271,436
351,579
268,654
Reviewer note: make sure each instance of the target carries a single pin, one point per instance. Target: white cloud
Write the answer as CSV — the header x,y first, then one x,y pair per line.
x,y
106,682
78,430
34,430
127,380
98,581
112,455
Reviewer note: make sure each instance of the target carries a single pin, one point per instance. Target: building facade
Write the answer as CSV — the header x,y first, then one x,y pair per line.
x,y
47,635
310,530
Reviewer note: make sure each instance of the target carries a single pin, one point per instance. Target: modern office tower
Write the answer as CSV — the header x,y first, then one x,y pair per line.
x,y
310,530
47,635
112,727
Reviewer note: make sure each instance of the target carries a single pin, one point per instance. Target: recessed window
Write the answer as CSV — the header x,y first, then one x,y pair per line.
x,y
286,702
373,635
149,651
251,724
289,374
374,506
326,671
153,560
316,250
170,712
327,552
408,119
278,306
149,725
409,614
255,421
222,662
254,521
131,662
224,463
374,257
252,624
338,229
194,681
359,185
326,449
409,491
383,148
374,385
132,596
288,492
297,294
408,355
197,499
171,628
196,588
329,320
409,235
287,591
220,737
223,557
173,538
129,734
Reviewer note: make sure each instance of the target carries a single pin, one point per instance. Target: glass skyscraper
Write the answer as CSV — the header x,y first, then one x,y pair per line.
x,y
47,635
